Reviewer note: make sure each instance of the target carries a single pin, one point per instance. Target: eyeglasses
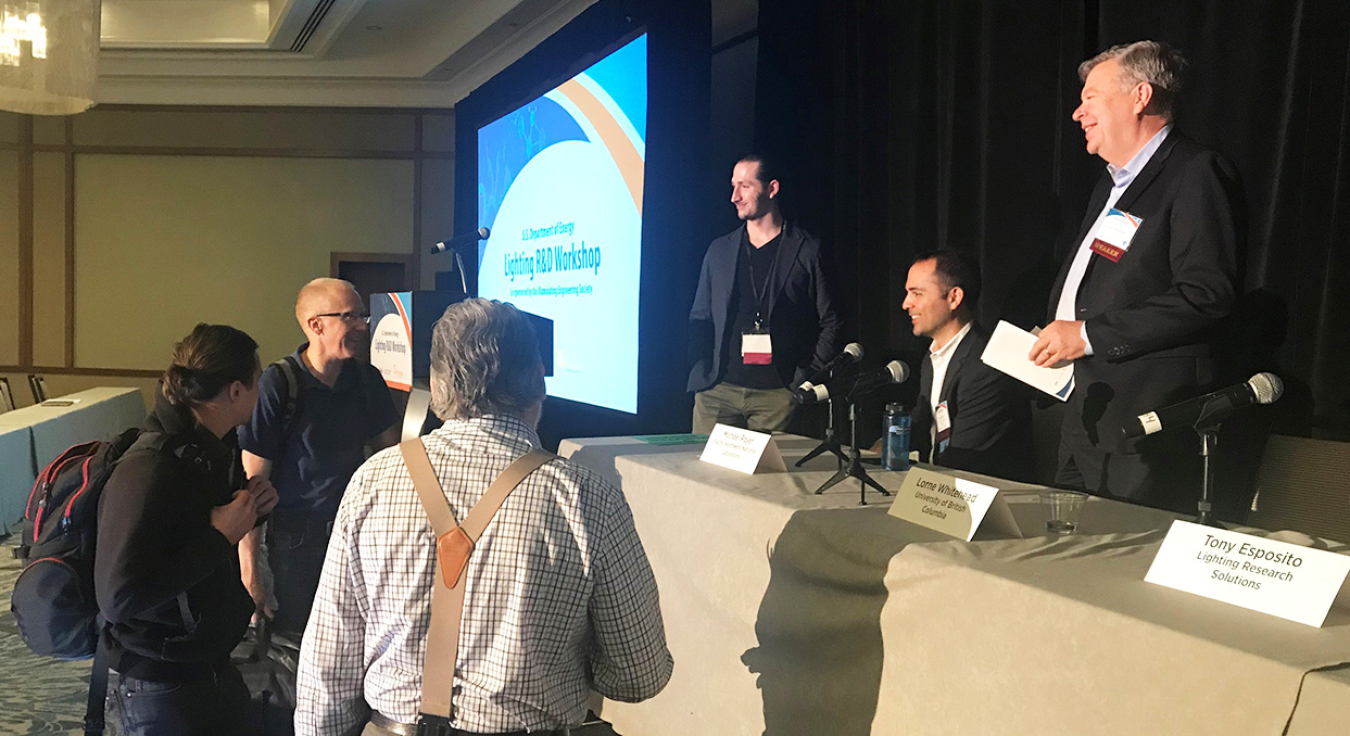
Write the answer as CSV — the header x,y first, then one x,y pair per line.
x,y
347,316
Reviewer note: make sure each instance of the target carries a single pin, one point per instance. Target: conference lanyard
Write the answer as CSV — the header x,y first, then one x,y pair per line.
x,y
759,293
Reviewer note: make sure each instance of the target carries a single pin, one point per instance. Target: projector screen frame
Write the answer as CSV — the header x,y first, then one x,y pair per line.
x,y
675,198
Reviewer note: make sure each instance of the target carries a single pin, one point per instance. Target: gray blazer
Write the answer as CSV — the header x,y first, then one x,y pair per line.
x,y
803,324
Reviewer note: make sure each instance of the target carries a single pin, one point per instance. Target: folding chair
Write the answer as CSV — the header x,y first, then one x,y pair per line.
x,y
1301,486
38,385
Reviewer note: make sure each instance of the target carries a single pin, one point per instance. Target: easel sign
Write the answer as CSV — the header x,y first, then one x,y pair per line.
x,y
954,506
743,451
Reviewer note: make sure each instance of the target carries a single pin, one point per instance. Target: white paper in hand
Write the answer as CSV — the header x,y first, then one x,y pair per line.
x,y
1007,352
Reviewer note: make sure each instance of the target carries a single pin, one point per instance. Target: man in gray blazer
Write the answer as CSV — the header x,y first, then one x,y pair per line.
x,y
762,319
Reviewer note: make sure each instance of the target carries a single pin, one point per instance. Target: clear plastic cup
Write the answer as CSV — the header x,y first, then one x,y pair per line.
x,y
1062,509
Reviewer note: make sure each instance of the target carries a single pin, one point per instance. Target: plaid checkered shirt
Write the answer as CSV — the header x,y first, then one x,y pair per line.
x,y
560,597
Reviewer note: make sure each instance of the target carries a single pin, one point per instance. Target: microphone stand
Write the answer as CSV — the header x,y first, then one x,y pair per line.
x,y
855,467
1207,425
831,441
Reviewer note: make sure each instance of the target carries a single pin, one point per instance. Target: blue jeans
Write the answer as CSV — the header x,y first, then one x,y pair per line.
x,y
297,542
207,707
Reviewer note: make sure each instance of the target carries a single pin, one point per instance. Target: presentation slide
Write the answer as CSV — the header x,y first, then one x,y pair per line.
x,y
560,186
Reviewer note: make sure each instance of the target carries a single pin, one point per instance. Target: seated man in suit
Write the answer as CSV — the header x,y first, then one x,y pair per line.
x,y
968,416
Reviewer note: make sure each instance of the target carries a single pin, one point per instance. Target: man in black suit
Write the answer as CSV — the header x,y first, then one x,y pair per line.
x,y
762,319
1138,303
968,416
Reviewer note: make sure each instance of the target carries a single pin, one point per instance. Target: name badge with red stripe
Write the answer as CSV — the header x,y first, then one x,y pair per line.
x,y
1115,233
756,348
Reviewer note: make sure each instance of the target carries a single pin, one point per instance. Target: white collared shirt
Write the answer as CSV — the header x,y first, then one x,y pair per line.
x,y
1121,178
941,358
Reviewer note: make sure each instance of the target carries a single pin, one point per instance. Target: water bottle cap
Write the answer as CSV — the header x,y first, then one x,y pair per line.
x,y
896,409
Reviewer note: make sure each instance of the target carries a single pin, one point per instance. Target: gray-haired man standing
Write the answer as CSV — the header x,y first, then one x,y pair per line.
x,y
1152,275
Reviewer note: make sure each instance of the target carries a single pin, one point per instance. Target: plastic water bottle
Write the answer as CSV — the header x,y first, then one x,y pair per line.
x,y
895,440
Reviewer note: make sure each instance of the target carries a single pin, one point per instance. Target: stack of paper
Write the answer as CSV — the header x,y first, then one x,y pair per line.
x,y
1007,352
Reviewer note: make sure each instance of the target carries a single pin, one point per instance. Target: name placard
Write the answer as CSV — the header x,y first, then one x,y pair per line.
x,y
953,506
1259,574
743,451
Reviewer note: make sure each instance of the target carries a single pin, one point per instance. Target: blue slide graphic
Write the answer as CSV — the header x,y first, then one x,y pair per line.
x,y
560,184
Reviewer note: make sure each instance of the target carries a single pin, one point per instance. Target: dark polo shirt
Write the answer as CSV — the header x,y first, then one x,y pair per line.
x,y
312,463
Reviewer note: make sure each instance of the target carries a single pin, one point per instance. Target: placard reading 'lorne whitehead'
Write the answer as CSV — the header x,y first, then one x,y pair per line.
x,y
1286,580
951,505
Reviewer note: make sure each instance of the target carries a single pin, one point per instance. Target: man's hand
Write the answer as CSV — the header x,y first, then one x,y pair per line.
x,y
264,495
1059,343
235,518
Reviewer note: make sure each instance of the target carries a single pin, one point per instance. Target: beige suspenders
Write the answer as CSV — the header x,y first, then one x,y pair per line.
x,y
454,544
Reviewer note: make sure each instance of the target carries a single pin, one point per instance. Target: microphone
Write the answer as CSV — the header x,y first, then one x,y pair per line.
x,y
853,352
893,372
481,233
1262,388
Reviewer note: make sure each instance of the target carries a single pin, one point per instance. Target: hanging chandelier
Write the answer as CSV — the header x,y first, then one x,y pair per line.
x,y
48,55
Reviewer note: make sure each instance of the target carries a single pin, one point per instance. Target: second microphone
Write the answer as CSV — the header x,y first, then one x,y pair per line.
x,y
893,372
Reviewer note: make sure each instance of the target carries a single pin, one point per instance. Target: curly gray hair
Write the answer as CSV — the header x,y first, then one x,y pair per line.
x,y
484,360
1158,64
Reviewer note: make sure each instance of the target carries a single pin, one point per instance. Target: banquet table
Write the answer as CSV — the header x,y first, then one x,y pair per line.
x,y
35,435
16,474
789,612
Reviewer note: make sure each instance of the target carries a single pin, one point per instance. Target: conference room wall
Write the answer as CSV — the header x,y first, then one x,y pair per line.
x,y
146,220
9,256
49,257
217,239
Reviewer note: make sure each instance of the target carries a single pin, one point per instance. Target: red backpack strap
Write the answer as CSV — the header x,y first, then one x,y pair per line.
x,y
42,486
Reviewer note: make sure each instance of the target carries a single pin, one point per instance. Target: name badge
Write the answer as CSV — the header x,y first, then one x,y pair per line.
x,y
942,422
756,348
953,506
743,451
1277,578
1115,233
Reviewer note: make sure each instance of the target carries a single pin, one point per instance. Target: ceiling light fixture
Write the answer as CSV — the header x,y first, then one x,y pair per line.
x,y
48,55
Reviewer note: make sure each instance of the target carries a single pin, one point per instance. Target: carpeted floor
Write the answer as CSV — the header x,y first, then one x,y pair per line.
x,y
37,695
44,697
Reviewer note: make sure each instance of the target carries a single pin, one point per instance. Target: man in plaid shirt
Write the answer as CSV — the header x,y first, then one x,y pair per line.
x,y
560,598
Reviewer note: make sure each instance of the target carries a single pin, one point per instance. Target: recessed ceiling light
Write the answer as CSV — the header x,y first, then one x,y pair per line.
x,y
374,28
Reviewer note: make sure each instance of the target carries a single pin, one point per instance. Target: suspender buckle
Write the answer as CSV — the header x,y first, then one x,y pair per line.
x,y
429,725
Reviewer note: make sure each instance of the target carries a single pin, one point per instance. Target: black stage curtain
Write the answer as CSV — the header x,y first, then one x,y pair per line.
x,y
904,126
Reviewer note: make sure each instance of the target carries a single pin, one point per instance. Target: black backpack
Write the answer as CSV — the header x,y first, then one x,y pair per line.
x,y
53,601
290,372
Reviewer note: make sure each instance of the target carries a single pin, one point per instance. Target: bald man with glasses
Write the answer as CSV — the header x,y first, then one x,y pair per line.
x,y
309,447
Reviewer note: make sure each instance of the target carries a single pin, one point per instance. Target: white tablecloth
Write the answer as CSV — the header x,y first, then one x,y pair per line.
x,y
786,612
16,474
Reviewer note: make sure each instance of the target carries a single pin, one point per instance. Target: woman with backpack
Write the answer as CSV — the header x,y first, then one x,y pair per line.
x,y
166,573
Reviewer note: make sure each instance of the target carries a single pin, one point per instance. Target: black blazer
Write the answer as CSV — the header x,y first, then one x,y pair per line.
x,y
1153,317
990,414
803,324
